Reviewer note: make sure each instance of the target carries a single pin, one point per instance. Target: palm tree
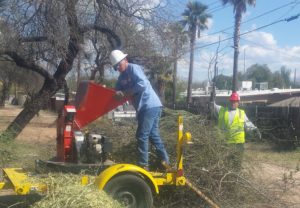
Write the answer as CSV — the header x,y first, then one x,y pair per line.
x,y
239,7
195,17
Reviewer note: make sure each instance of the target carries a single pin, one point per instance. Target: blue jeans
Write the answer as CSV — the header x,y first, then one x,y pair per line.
x,y
148,129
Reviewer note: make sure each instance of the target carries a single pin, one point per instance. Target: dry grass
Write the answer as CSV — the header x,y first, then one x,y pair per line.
x,y
23,154
65,190
269,153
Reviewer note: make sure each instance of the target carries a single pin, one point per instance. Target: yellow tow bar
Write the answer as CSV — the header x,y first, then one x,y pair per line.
x,y
17,179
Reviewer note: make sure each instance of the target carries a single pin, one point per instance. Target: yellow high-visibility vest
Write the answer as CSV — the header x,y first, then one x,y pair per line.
x,y
234,132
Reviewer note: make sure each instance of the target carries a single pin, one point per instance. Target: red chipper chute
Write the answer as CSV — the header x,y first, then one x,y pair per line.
x,y
93,101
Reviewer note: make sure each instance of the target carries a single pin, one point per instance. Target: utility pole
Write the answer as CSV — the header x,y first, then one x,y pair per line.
x,y
295,77
78,67
175,54
244,60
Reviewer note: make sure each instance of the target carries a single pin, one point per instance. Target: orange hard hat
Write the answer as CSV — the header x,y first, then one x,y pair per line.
x,y
234,97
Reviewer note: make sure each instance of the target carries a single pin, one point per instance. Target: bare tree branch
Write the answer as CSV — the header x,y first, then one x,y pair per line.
x,y
27,64
33,39
112,37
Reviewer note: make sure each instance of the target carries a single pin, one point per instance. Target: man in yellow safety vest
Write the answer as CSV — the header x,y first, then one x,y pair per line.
x,y
233,122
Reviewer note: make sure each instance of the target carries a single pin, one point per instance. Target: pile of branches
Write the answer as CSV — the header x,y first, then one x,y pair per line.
x,y
206,162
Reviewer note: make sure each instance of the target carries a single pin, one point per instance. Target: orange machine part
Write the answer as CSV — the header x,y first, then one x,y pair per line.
x,y
65,134
93,101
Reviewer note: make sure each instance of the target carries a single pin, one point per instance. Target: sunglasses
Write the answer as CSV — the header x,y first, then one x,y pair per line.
x,y
116,67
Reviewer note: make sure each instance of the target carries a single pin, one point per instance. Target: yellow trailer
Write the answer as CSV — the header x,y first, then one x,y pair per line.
x,y
130,184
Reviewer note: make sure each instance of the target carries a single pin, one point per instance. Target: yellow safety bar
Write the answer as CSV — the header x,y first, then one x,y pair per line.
x,y
17,179
181,140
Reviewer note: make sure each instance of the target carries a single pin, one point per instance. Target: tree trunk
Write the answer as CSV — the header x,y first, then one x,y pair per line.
x,y
101,73
4,93
51,86
93,74
100,69
57,81
175,73
161,90
190,80
238,19
78,69
31,108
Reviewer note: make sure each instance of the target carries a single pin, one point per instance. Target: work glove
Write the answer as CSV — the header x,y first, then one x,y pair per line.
x,y
211,105
119,95
258,134
128,93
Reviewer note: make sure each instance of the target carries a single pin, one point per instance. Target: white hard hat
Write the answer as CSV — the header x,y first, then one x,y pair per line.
x,y
116,56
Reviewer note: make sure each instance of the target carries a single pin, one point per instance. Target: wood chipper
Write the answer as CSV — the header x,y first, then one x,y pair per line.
x,y
128,183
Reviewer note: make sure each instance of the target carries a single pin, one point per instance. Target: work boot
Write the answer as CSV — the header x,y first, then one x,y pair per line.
x,y
166,166
146,168
108,162
162,166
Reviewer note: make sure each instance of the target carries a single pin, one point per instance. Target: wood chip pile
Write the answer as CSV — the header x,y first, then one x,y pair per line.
x,y
65,190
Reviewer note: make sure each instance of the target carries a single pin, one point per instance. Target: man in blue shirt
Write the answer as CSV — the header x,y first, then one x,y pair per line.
x,y
132,82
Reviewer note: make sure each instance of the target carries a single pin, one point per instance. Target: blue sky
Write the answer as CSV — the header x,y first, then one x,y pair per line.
x,y
276,45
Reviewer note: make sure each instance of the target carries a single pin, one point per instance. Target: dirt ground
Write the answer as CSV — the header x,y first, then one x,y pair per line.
x,y
42,128
279,180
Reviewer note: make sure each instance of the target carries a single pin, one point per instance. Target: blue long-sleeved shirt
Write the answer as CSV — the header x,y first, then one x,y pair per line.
x,y
135,81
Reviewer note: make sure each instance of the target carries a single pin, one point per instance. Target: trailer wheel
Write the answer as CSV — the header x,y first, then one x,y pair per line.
x,y
130,190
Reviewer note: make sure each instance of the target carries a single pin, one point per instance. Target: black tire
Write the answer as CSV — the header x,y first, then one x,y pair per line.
x,y
130,190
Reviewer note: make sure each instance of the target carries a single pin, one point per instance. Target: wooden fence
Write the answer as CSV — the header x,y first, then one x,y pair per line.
x,y
279,124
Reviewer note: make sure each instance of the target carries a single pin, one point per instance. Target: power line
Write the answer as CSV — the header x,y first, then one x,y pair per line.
x,y
263,14
216,9
272,49
218,1
264,26
291,9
